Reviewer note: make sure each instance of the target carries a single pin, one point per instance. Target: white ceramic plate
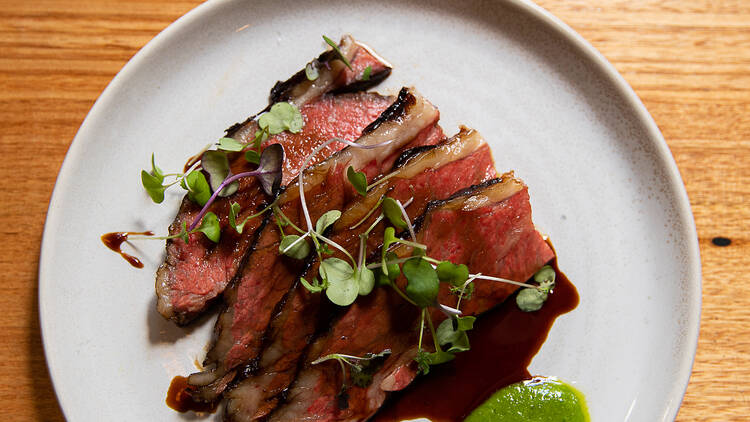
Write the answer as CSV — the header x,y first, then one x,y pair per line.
x,y
602,180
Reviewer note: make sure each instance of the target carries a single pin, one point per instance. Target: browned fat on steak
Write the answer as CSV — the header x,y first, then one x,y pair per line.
x,y
423,175
193,274
267,276
489,228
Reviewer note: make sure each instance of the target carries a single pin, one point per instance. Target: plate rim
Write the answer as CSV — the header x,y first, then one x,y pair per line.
x,y
543,17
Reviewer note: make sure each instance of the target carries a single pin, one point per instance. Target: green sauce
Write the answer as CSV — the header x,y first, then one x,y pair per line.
x,y
536,400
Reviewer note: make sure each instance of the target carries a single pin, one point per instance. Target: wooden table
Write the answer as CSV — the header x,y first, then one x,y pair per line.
x,y
688,60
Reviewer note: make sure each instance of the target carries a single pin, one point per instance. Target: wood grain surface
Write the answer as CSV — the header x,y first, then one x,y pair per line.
x,y
688,60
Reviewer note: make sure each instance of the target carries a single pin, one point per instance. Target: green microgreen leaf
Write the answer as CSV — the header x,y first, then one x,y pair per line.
x,y
425,360
326,220
234,210
338,51
216,164
230,144
210,227
293,247
153,186
545,277
324,249
531,299
358,180
366,280
282,116
260,137
184,233
252,156
197,187
366,73
269,168
422,282
453,331
386,278
342,288
311,71
152,182
449,272
392,212
156,171
465,323
389,237
315,287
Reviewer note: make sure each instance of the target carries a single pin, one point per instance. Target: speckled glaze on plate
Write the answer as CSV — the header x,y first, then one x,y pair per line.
x,y
603,184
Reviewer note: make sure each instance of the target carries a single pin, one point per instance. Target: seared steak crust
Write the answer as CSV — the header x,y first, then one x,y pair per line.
x,y
193,275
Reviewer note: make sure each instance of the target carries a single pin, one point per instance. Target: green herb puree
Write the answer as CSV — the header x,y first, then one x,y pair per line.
x,y
536,400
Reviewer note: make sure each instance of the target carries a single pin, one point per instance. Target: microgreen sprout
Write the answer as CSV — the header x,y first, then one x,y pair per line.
x,y
311,70
358,180
268,173
361,368
234,211
341,55
231,144
531,299
366,73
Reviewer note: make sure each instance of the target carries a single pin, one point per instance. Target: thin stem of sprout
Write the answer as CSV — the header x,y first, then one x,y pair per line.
x,y
463,289
412,244
375,223
504,280
421,329
286,219
223,184
402,294
369,213
307,162
408,222
334,244
300,239
434,335
381,180
362,247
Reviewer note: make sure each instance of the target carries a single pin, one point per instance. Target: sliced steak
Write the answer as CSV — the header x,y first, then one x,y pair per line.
x,y
487,227
265,279
423,174
194,274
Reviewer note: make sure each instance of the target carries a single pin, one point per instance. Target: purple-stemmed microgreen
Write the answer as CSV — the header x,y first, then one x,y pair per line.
x,y
216,165
268,174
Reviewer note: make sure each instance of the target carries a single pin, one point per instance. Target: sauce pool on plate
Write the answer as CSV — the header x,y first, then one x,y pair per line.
x,y
503,342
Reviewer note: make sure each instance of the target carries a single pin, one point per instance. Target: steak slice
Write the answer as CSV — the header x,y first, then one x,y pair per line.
x,y
489,228
265,279
423,174
194,274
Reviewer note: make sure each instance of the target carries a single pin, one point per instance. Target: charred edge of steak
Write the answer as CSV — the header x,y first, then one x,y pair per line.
x,y
282,90
419,221
410,153
394,112
363,85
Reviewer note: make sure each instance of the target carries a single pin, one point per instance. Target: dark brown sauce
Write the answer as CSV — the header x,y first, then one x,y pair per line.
x,y
503,342
115,240
180,400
